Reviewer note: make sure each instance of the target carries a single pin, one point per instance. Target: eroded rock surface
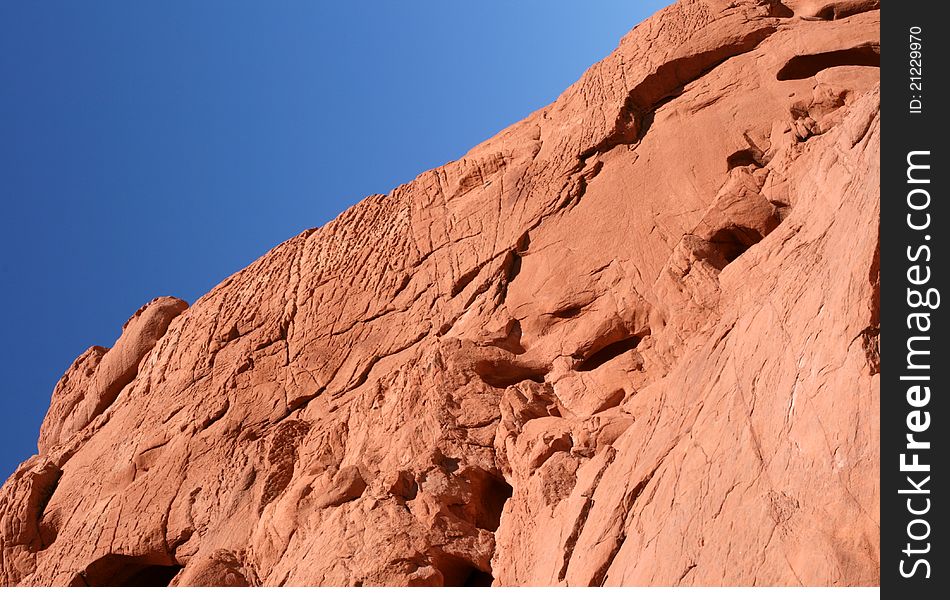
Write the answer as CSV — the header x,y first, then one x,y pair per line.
x,y
630,340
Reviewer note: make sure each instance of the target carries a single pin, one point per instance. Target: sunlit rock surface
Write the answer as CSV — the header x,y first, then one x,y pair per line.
x,y
630,340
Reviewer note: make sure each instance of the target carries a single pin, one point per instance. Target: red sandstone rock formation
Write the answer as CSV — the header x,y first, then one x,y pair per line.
x,y
630,340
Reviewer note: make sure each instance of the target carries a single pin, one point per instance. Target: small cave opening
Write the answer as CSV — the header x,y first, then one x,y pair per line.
x,y
495,493
731,242
117,570
568,312
842,10
608,353
809,65
501,374
458,572
487,495
152,576
778,9
482,506
743,158
827,13
477,578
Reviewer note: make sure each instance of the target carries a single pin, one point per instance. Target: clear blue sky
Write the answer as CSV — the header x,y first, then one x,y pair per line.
x,y
153,148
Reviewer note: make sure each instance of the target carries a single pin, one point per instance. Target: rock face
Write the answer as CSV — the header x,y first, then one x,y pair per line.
x,y
630,340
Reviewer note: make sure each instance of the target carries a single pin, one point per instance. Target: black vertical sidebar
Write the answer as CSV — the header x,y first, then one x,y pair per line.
x,y
915,370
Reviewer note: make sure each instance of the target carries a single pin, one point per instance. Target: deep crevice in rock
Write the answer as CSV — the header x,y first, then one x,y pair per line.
x,y
46,491
464,280
45,483
809,65
871,335
511,267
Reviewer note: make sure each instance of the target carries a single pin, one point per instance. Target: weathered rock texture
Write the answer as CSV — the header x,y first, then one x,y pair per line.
x,y
630,340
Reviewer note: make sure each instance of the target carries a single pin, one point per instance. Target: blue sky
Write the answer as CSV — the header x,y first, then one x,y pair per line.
x,y
154,148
